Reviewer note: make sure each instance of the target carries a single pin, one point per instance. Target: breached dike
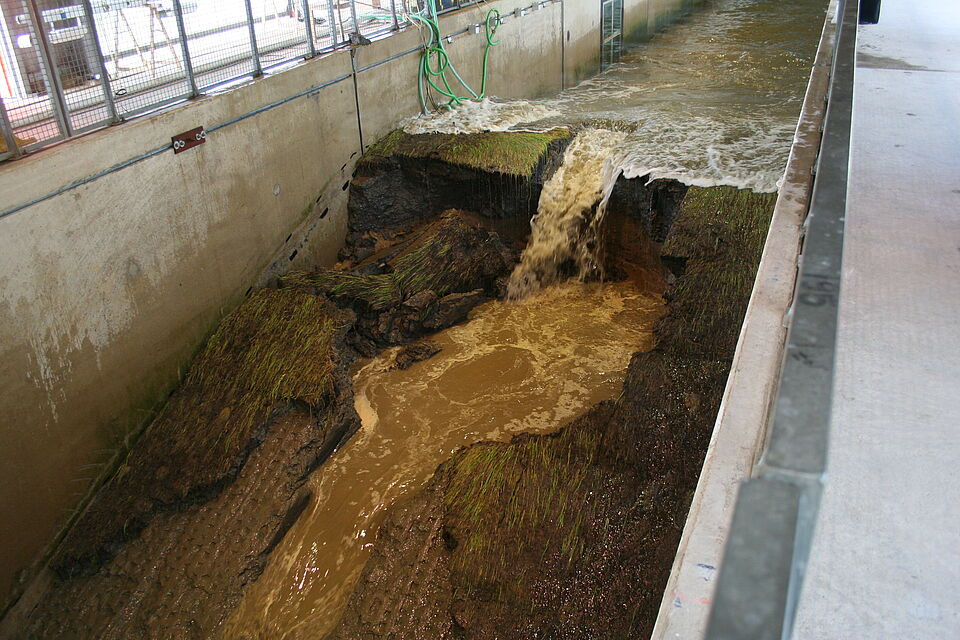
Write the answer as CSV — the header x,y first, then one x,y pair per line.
x,y
209,492
573,534
174,544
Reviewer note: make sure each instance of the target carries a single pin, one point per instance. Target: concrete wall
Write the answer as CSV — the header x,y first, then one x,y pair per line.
x,y
643,18
637,25
107,290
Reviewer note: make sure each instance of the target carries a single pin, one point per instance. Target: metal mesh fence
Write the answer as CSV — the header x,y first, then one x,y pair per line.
x,y
67,66
611,32
142,53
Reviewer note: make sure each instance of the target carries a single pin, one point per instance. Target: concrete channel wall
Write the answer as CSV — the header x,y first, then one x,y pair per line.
x,y
740,433
108,289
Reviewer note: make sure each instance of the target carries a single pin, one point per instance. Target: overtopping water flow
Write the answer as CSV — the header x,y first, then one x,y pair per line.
x,y
569,214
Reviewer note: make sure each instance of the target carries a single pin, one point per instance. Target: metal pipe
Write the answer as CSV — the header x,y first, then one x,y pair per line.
x,y
51,79
8,136
353,15
356,96
128,163
98,51
333,25
308,25
187,62
393,10
255,54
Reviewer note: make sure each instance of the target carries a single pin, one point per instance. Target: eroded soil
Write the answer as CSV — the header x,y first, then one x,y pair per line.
x,y
572,535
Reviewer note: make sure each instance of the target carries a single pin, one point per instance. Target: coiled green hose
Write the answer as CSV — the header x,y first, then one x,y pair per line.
x,y
435,51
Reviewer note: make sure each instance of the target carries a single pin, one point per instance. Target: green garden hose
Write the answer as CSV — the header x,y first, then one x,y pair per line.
x,y
435,61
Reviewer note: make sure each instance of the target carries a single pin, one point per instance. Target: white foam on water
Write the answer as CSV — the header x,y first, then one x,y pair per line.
x,y
747,154
481,116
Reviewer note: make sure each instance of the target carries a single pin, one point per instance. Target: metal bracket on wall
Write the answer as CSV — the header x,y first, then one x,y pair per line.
x,y
189,139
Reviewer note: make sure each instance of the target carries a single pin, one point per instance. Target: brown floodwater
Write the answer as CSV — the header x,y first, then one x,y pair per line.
x,y
514,367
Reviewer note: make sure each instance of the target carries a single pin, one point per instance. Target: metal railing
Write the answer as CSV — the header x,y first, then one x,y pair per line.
x,y
611,32
766,552
69,66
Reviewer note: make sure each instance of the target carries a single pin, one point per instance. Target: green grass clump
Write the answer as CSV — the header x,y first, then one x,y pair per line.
x,y
454,257
274,348
504,152
506,496
378,293
720,232
271,352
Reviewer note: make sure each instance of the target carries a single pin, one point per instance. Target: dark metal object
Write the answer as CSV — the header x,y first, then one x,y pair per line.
x,y
51,76
189,139
869,11
308,26
97,50
773,524
252,32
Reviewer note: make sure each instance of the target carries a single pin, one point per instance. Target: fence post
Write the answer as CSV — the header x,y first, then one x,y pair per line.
x,y
51,76
308,25
187,61
257,69
393,10
333,25
353,15
8,136
94,43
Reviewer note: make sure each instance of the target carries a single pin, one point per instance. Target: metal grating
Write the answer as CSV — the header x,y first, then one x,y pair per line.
x,y
67,66
611,32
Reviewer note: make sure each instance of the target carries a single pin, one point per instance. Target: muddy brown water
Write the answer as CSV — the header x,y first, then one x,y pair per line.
x,y
515,367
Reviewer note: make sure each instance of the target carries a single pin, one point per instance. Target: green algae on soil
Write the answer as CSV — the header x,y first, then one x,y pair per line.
x,y
271,353
506,152
572,535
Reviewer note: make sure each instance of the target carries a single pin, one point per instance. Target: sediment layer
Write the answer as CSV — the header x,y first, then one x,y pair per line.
x,y
405,180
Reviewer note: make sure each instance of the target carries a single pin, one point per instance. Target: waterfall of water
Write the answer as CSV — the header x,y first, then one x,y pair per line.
x,y
569,214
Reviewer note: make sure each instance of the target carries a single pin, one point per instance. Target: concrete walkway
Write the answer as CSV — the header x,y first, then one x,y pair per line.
x,y
885,562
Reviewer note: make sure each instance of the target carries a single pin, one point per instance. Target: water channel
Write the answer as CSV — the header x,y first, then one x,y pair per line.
x,y
711,101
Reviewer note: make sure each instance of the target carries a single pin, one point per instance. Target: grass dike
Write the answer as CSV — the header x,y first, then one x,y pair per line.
x,y
168,544
572,535
406,180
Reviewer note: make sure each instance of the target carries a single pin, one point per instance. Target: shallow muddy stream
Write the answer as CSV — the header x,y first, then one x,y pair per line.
x,y
515,367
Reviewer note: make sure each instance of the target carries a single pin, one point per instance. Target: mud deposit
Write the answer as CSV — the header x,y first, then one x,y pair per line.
x,y
572,535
